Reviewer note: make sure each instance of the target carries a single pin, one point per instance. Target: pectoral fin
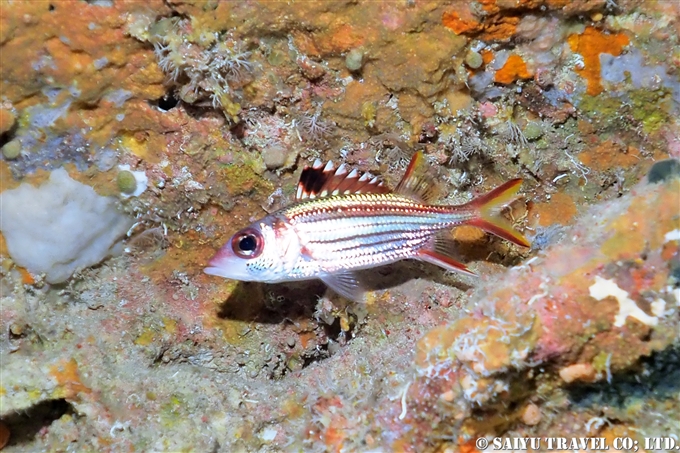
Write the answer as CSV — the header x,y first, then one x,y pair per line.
x,y
346,284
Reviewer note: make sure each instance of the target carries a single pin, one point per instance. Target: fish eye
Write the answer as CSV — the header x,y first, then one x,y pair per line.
x,y
247,243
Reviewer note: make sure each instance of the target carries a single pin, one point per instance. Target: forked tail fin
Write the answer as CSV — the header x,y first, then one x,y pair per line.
x,y
488,207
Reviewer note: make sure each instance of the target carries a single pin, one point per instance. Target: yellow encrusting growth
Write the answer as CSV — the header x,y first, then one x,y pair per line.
x,y
145,338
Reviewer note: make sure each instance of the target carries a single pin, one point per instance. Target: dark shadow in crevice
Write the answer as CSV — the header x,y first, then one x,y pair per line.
x,y
9,135
386,277
24,426
656,377
168,101
274,303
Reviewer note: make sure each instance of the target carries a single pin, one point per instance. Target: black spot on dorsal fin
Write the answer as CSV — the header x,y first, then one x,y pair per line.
x,y
325,181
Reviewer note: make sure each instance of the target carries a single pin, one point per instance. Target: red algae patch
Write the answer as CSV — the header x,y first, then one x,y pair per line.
x,y
609,155
560,209
345,38
498,28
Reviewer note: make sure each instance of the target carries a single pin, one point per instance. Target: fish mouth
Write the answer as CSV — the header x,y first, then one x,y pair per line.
x,y
229,272
226,265
219,264
218,260
217,271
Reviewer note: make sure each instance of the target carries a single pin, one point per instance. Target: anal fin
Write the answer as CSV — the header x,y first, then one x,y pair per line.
x,y
444,261
441,252
346,284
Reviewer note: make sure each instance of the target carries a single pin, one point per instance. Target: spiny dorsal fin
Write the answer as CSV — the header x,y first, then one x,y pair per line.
x,y
416,183
320,181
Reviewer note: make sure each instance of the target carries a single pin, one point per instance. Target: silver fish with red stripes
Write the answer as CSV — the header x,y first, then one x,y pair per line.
x,y
344,221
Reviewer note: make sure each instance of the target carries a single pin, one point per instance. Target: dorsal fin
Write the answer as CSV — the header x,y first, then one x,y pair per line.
x,y
416,183
325,181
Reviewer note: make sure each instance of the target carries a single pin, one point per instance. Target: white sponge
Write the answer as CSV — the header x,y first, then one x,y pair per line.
x,y
59,227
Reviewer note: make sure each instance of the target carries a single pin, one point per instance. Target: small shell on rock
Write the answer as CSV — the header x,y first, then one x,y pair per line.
x,y
354,60
474,59
12,149
578,372
531,415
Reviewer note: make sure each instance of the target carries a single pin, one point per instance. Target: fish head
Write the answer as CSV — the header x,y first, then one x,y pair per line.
x,y
261,252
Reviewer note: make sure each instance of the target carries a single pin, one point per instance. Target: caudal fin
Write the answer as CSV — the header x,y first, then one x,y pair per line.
x,y
488,208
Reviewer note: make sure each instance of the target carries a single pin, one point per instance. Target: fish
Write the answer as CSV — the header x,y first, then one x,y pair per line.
x,y
345,221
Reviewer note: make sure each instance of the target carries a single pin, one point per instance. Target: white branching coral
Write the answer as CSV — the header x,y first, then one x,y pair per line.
x,y
205,67
313,128
514,133
461,142
460,133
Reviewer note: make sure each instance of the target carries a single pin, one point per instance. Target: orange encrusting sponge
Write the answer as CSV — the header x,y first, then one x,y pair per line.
x,y
590,44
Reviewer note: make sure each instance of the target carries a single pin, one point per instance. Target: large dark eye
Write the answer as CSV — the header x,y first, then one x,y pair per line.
x,y
247,243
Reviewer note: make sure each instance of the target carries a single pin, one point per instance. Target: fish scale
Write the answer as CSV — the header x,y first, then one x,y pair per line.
x,y
406,242
368,225
379,241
